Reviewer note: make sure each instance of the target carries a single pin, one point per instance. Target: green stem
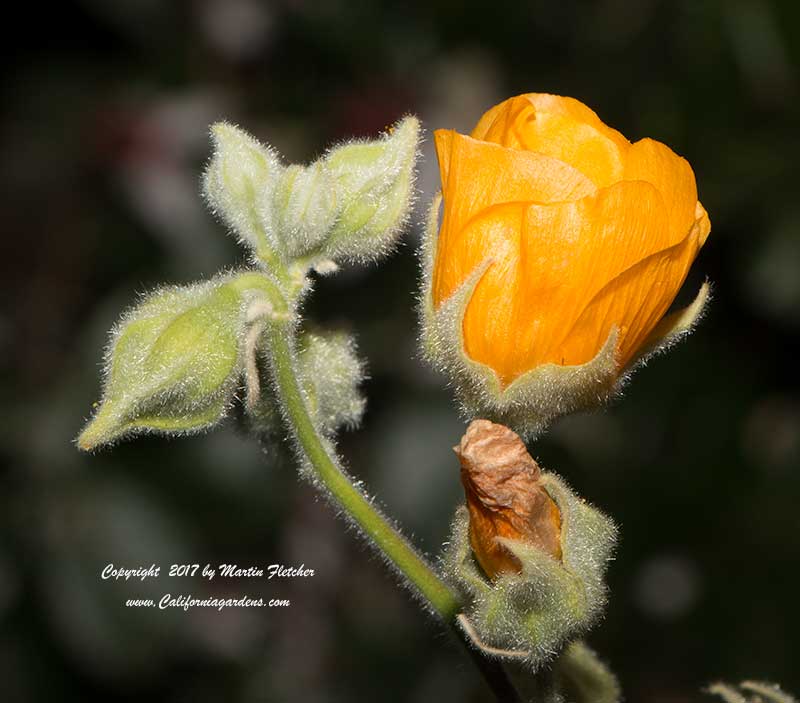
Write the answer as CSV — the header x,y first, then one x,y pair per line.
x,y
358,507
404,558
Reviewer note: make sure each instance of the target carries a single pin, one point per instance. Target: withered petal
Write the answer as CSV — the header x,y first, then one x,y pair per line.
x,y
505,497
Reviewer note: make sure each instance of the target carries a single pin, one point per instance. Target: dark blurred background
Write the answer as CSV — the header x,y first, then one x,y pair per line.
x,y
104,135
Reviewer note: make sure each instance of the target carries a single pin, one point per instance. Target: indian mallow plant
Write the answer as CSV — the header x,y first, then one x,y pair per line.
x,y
548,282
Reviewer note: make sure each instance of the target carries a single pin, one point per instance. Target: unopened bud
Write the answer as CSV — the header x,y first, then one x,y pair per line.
x,y
238,181
373,184
329,372
172,364
305,207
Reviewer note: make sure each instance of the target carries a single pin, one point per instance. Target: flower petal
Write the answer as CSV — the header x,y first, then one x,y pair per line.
x,y
492,234
702,222
636,300
484,173
560,127
652,161
477,175
548,260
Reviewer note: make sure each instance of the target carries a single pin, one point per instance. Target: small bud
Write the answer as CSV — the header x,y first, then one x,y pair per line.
x,y
505,497
373,186
239,181
330,372
305,207
546,584
172,364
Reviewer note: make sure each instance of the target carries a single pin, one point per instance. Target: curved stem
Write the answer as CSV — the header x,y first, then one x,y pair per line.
x,y
403,557
355,504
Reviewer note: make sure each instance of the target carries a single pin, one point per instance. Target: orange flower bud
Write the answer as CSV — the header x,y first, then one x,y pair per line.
x,y
583,235
505,497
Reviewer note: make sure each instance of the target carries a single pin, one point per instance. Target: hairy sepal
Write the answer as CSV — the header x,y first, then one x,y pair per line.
x,y
532,615
238,184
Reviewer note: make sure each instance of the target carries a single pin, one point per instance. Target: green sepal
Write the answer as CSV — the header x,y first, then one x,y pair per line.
x,y
305,208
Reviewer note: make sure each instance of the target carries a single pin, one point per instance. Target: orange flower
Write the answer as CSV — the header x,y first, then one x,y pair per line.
x,y
582,232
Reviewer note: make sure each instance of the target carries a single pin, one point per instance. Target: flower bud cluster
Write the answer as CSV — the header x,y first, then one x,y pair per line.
x,y
348,205
175,361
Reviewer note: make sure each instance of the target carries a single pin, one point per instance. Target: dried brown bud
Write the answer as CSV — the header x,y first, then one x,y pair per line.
x,y
505,497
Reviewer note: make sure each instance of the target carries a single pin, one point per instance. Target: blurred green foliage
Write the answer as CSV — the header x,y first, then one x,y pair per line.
x,y
104,126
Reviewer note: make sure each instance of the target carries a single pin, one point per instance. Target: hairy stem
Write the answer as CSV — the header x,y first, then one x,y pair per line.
x,y
357,506
314,451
